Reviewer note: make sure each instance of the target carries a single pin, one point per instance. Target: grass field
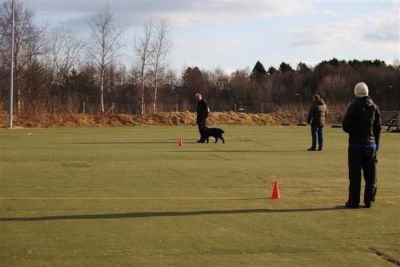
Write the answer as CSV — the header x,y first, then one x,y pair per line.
x,y
131,197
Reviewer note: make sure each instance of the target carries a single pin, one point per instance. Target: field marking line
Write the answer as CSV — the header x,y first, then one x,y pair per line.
x,y
171,198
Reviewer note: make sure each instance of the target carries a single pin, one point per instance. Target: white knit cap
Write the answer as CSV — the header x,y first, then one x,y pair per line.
x,y
361,90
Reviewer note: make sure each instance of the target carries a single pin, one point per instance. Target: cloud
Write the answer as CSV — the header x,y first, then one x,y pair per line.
x,y
378,30
218,52
189,50
181,12
383,28
328,35
330,13
356,1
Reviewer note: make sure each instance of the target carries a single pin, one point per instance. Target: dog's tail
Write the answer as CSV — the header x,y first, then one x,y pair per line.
x,y
222,131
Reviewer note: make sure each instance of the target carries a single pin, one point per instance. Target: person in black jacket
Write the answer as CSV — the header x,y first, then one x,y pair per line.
x,y
363,124
316,117
202,115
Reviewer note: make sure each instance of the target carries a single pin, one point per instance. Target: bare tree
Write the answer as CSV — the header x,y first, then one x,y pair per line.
x,y
105,44
160,48
35,48
27,34
143,53
63,54
64,51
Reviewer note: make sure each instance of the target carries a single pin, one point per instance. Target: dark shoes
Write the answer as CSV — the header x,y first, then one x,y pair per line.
x,y
368,205
314,149
351,206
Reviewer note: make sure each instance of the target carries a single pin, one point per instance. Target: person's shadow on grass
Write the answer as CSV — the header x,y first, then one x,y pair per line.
x,y
151,214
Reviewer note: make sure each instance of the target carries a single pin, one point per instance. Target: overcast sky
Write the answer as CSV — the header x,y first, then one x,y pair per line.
x,y
234,34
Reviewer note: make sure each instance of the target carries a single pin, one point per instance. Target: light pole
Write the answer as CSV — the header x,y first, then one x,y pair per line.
x,y
11,105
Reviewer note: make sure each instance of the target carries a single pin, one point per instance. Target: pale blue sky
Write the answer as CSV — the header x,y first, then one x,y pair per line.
x,y
234,34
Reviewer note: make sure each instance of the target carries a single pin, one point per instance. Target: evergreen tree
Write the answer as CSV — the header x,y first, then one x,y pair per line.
x,y
272,70
303,68
258,71
285,67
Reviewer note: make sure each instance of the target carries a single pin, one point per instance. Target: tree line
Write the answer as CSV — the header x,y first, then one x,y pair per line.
x,y
58,72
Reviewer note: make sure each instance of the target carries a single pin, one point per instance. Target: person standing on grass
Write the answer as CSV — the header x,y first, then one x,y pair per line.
x,y
316,118
363,124
202,115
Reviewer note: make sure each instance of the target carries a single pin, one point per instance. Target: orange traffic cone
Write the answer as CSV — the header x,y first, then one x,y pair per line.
x,y
275,192
180,144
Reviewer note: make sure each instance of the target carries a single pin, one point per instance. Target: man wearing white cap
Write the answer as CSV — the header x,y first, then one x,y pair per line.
x,y
363,124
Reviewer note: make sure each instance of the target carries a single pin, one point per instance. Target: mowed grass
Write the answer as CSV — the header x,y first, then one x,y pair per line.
x,y
132,197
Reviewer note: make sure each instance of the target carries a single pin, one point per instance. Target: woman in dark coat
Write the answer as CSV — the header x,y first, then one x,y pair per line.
x,y
316,118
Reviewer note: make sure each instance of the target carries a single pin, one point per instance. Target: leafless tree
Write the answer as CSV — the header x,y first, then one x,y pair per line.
x,y
63,54
35,49
143,51
160,47
104,44
64,51
27,35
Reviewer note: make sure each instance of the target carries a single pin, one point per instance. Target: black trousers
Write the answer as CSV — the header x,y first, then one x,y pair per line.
x,y
365,160
202,126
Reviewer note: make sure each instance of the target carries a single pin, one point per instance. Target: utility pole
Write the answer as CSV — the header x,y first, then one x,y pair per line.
x,y
11,106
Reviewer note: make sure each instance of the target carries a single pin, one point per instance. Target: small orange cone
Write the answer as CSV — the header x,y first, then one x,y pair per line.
x,y
180,144
275,192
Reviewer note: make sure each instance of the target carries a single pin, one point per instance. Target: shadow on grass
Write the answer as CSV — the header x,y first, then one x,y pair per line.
x,y
143,142
127,143
239,151
151,214
175,142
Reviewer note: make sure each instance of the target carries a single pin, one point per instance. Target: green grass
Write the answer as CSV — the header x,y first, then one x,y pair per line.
x,y
131,197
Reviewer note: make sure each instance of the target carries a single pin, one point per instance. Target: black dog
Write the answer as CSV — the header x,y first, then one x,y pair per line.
x,y
214,132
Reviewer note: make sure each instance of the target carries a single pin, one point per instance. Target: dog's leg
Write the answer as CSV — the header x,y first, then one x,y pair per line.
x,y
208,139
223,141
216,140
